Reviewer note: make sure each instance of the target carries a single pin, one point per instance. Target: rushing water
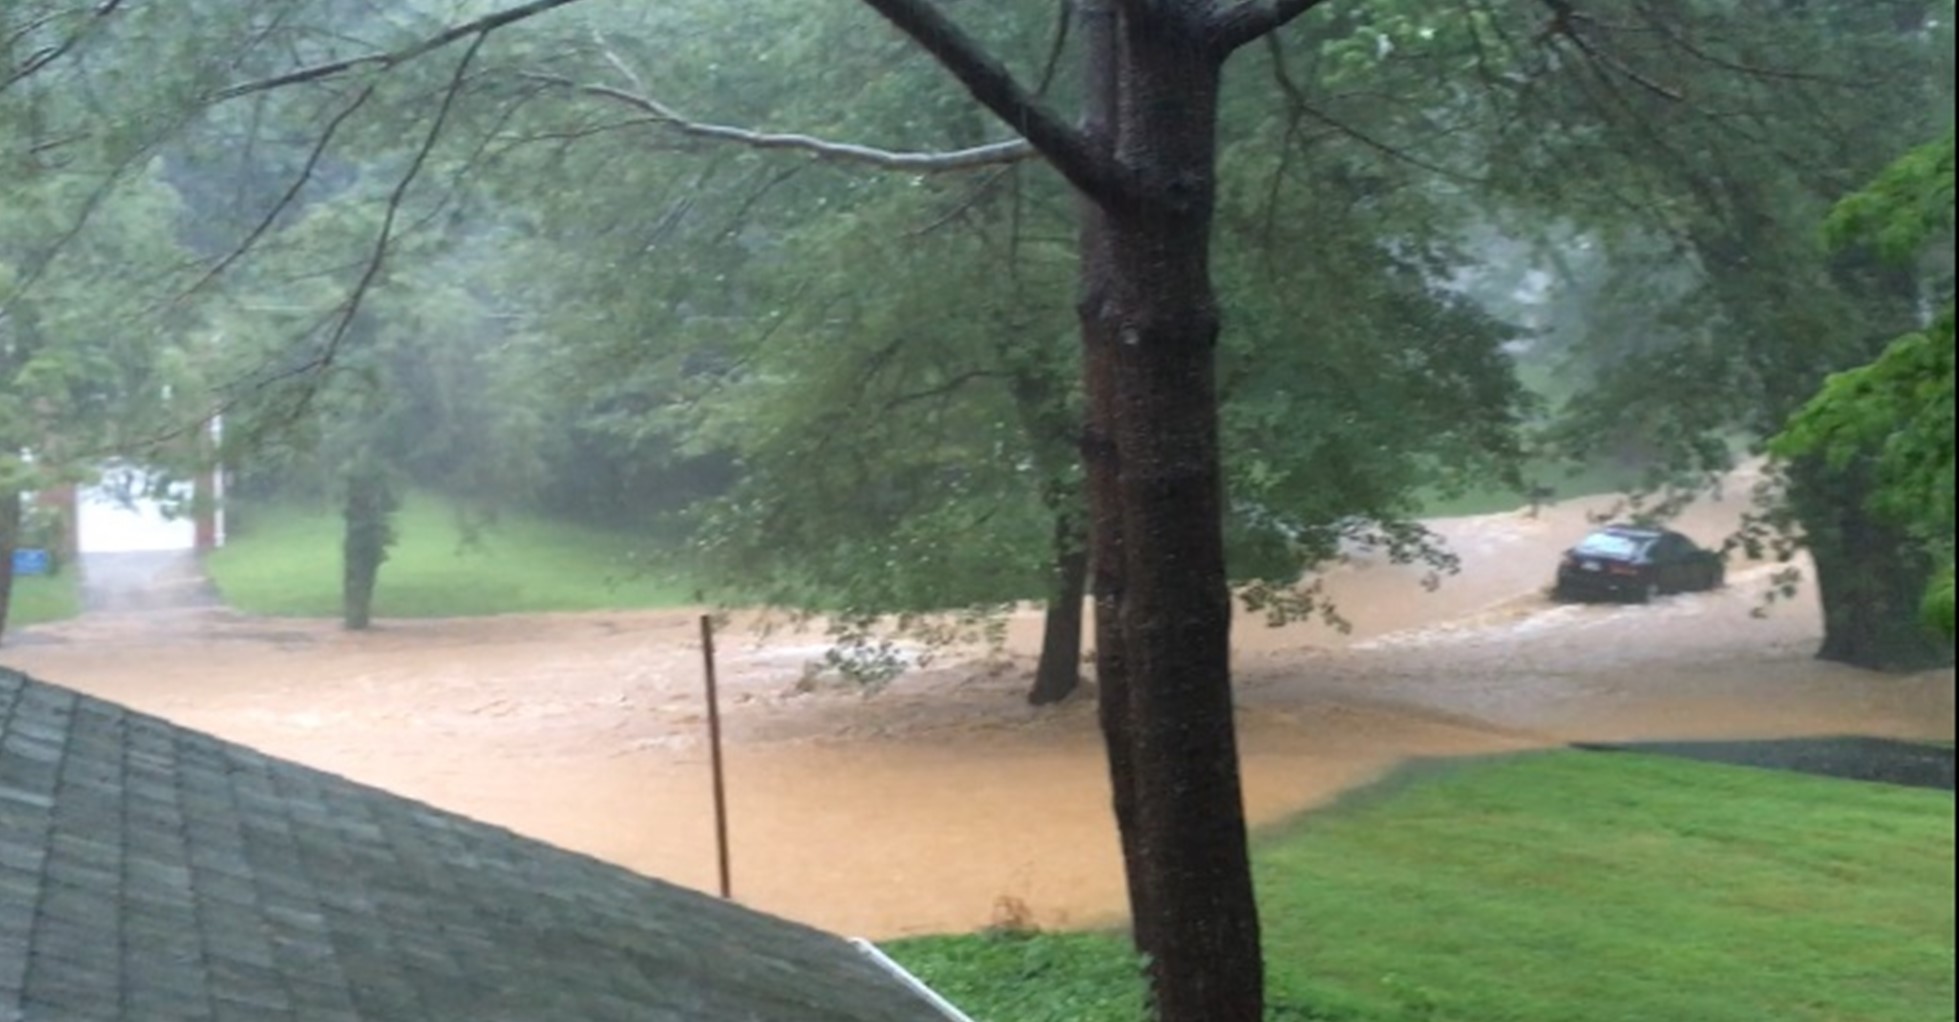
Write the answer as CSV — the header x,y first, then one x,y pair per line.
x,y
944,801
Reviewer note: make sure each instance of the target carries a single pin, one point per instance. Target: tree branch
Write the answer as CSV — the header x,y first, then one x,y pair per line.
x,y
951,386
963,206
41,59
291,195
1066,149
1564,25
1239,26
38,263
618,64
371,273
1296,96
480,27
1064,25
1659,24
993,154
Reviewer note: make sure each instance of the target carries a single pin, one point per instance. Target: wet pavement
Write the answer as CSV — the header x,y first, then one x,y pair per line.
x,y
145,582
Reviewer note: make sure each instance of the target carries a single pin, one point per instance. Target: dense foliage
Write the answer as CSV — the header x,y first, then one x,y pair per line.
x,y
813,372
1898,410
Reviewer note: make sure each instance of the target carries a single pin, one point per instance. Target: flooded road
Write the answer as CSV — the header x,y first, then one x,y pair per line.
x,y
944,802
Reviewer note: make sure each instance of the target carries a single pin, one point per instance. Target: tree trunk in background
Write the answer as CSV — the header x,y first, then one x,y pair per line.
x,y
1871,576
10,524
1053,429
369,518
1059,672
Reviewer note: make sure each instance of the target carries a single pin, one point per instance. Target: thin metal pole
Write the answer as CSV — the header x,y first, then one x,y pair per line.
x,y
714,745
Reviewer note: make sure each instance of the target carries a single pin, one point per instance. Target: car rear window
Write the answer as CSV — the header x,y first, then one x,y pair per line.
x,y
1611,544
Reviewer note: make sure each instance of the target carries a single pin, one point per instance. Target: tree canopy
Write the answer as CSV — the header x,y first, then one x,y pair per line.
x,y
904,306
1898,409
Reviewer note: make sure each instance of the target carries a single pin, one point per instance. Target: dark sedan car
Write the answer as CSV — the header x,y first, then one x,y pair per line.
x,y
1639,564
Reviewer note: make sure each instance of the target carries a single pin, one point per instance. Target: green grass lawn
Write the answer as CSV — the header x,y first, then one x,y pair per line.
x,y
286,562
1558,888
39,599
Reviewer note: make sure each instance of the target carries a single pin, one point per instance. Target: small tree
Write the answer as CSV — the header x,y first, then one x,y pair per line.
x,y
369,510
416,387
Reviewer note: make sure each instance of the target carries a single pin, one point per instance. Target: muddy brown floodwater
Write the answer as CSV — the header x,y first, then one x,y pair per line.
x,y
943,802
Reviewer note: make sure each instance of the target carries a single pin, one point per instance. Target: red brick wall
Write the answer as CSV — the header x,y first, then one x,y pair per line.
x,y
64,501
205,504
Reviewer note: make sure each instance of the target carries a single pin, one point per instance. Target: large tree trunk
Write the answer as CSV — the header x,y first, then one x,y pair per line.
x,y
1156,335
1174,617
1145,161
1101,471
1871,576
1059,673
10,524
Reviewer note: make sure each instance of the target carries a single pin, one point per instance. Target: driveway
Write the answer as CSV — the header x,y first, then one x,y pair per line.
x,y
144,582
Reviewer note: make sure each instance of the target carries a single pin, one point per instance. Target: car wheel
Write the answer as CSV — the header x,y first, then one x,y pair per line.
x,y
1648,593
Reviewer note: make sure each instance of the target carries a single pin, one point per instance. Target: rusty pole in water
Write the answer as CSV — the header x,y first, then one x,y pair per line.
x,y
714,746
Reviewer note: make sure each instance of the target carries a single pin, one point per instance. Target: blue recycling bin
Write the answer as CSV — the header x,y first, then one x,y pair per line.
x,y
32,562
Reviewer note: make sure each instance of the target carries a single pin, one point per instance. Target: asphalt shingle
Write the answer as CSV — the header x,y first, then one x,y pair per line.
x,y
149,873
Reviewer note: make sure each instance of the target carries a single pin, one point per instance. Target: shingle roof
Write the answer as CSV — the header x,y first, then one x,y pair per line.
x,y
149,873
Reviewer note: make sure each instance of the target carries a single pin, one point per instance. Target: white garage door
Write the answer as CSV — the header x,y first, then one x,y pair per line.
x,y
117,517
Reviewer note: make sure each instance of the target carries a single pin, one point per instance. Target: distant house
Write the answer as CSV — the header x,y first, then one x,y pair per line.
x,y
149,873
131,509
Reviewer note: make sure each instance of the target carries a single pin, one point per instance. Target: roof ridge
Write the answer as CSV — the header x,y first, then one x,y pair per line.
x,y
312,895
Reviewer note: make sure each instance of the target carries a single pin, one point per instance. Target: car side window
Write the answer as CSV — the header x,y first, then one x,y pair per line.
x,y
1670,549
